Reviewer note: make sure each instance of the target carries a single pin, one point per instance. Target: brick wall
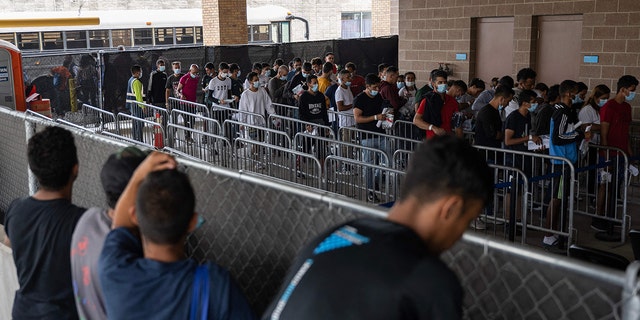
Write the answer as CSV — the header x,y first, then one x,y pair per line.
x,y
433,31
232,29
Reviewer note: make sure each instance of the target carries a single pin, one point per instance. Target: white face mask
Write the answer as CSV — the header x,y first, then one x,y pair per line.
x,y
239,73
177,71
409,84
223,75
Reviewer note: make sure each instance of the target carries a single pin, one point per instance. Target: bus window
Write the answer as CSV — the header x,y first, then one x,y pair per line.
x,y
164,36
29,41
199,35
258,33
99,38
76,39
143,37
52,40
121,37
184,35
9,37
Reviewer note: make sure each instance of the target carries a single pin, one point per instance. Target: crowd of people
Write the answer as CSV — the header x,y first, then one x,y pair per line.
x,y
127,260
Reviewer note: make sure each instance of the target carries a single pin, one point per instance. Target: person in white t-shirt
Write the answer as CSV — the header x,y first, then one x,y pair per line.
x,y
219,92
344,102
256,100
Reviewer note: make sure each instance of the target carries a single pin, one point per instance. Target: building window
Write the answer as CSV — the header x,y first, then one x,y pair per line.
x,y
259,33
356,25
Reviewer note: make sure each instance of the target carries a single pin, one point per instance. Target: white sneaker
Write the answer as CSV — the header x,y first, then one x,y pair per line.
x,y
478,224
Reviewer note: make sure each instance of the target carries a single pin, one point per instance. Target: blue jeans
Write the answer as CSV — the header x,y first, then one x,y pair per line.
x,y
136,126
372,158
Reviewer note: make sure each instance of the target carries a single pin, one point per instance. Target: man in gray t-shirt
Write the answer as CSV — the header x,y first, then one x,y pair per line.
x,y
92,229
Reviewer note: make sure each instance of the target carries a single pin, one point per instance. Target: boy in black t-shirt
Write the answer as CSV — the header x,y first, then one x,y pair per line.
x,y
340,274
40,228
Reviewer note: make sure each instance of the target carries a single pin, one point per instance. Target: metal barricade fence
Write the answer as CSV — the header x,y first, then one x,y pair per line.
x,y
138,131
376,184
292,126
604,175
338,148
198,122
262,134
551,205
277,162
285,110
391,143
91,119
401,159
510,203
634,180
204,146
405,129
254,226
188,106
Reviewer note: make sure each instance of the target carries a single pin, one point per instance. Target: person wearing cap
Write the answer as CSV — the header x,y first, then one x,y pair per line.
x,y
92,229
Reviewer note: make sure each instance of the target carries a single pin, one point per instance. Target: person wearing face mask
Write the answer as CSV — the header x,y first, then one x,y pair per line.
x,y
171,87
578,101
357,81
296,67
300,79
277,85
236,84
188,85
563,142
156,87
219,91
367,111
526,78
135,93
400,82
542,116
437,107
615,119
312,107
589,115
209,73
488,129
389,89
344,104
255,100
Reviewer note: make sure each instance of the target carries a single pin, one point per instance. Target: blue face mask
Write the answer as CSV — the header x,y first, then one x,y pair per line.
x,y
533,107
256,84
442,88
500,107
348,83
283,78
305,75
315,88
400,85
374,93
161,68
630,97
577,99
602,102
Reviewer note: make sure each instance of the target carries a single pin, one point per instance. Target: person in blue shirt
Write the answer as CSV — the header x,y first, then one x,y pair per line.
x,y
143,270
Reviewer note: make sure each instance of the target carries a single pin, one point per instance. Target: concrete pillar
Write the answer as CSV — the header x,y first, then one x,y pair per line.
x,y
224,22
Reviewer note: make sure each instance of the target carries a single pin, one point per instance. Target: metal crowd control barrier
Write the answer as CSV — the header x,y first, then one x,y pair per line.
x,y
203,146
238,115
262,134
89,118
285,110
405,129
198,122
605,176
149,130
382,186
188,106
277,162
341,149
392,142
510,203
546,175
292,126
401,159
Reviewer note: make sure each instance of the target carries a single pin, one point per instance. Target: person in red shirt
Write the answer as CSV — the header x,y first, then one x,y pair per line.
x,y
436,109
357,81
615,118
389,89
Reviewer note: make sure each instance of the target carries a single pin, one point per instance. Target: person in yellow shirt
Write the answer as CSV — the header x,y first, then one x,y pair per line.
x,y
324,81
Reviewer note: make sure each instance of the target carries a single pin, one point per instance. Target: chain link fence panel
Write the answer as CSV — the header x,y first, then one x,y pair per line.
x,y
254,226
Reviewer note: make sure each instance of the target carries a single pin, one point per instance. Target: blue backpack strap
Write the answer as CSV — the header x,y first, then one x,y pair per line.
x,y
200,294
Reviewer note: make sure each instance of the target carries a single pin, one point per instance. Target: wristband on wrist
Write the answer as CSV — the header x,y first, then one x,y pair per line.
x,y
530,137
430,127
375,117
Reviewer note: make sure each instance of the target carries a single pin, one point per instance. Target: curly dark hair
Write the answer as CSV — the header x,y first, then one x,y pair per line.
x,y
52,155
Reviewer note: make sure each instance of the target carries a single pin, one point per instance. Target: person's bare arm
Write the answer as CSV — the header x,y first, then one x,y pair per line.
x,y
604,133
156,161
357,114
